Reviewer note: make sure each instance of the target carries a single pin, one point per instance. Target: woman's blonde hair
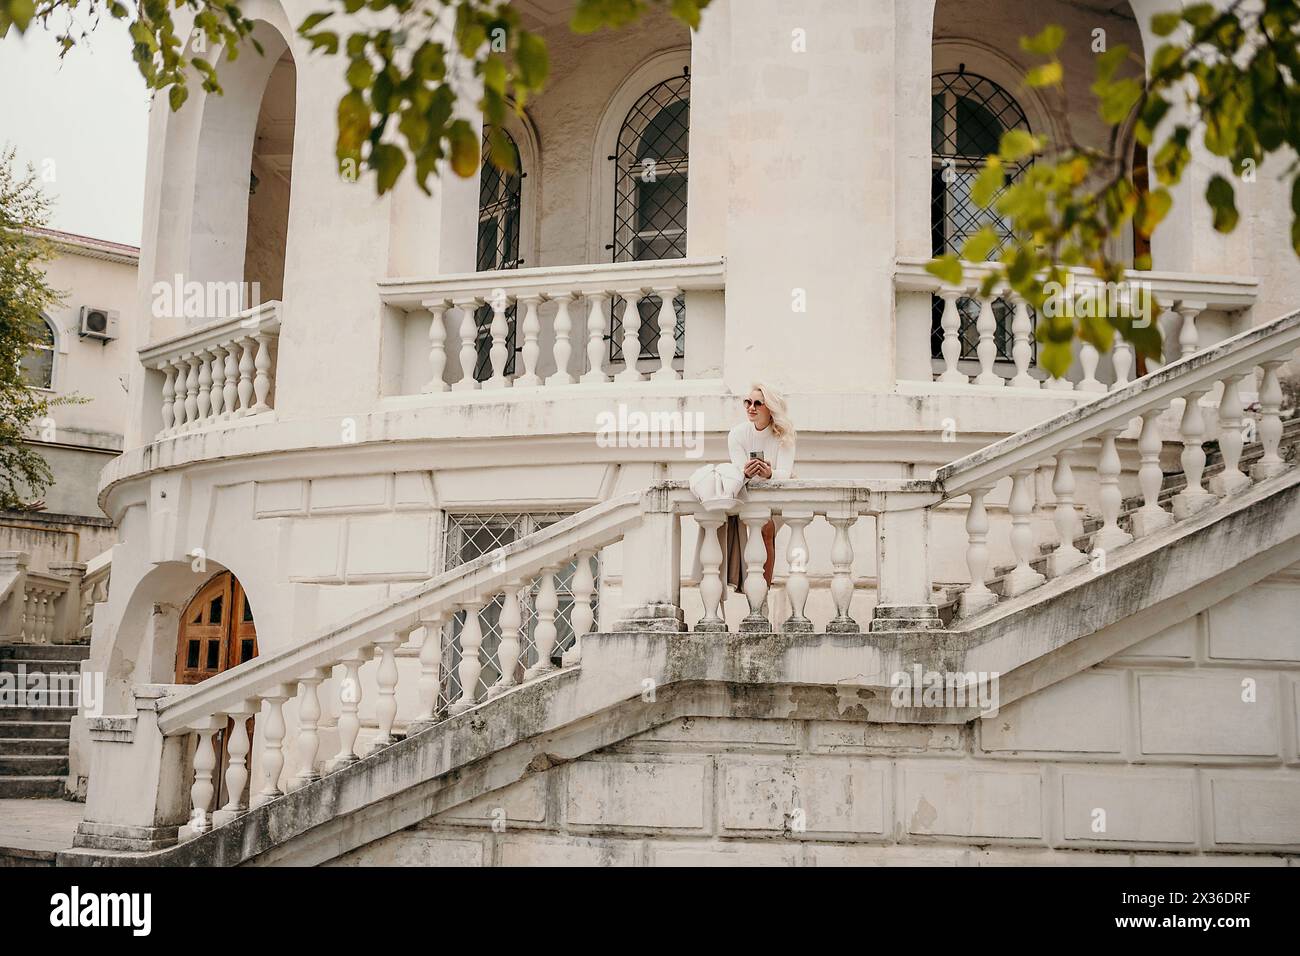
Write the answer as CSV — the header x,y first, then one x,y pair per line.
x,y
782,426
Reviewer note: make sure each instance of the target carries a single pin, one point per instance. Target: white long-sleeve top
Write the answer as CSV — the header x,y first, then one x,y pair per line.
x,y
745,438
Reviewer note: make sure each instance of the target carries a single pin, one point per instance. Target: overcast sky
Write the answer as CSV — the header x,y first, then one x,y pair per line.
x,y
83,122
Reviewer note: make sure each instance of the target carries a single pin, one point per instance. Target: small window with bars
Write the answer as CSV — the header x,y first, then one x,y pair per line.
x,y
650,178
500,194
470,536
968,115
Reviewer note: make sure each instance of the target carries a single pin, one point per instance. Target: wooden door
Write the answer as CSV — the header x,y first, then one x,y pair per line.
x,y
217,632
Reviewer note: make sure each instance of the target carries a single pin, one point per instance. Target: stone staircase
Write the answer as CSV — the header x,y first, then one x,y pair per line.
x,y
34,739
1174,482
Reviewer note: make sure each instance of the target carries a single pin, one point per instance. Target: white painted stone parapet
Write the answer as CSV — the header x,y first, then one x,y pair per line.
x,y
218,373
569,343
1180,298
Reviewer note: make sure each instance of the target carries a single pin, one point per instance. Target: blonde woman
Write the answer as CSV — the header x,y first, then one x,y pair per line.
x,y
762,447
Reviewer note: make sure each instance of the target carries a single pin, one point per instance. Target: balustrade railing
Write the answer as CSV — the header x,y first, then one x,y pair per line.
x,y
561,321
1089,432
999,349
37,607
217,374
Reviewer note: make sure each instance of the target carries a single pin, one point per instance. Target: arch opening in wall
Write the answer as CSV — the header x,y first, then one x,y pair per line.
x,y
270,182
37,363
499,246
651,173
968,115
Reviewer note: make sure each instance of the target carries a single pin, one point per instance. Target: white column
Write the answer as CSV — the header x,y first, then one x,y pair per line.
x,y
386,677
1089,358
1231,480
631,335
204,398
499,352
272,736
978,596
201,794
1121,357
508,650
218,395
563,326
1193,497
230,388
237,771
595,344
950,322
350,706
168,397
667,334
796,585
309,726
471,639
246,370
987,349
262,380
178,407
754,518
842,574
1151,517
192,391
532,330
711,584
468,345
430,667
544,631
583,616
437,348
1021,505
1111,535
1066,556
1022,350
1270,423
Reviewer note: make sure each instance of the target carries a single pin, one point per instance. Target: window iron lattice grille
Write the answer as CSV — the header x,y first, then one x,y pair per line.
x,y
469,536
500,195
651,166
969,114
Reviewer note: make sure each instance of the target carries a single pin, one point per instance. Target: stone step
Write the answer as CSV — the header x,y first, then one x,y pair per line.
x,y
34,746
33,765
25,714
34,729
14,788
33,665
45,652
11,856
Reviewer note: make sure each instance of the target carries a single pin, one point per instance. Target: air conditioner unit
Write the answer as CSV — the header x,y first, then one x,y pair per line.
x,y
98,324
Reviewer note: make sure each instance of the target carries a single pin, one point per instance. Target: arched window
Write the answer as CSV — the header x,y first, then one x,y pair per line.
x,y
499,203
968,115
38,363
650,177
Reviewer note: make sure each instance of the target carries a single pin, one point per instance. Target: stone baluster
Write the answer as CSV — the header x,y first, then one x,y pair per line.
x,y
1165,320
262,381
711,584
273,742
1089,358
595,341
631,335
563,325
204,397
509,649
1022,349
667,334
796,585
754,518
1066,555
583,617
309,726
201,794
246,373
544,631
1270,423
471,639
1022,577
218,395
349,707
230,386
430,667
977,596
168,398
1189,337
498,351
192,391
1121,357
1232,479
178,404
1111,535
987,349
237,769
437,349
1151,517
842,575
1193,497
386,677
950,322
532,329
468,345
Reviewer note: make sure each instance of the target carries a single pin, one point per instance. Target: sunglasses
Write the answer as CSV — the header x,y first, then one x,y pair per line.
x,y
753,403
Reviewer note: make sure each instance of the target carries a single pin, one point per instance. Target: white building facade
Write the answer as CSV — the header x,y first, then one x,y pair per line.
x,y
330,485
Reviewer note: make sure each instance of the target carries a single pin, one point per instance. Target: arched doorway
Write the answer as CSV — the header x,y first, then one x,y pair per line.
x,y
217,631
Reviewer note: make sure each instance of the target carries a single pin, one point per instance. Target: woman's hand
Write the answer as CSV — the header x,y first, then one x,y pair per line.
x,y
757,468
